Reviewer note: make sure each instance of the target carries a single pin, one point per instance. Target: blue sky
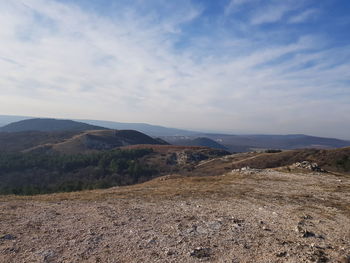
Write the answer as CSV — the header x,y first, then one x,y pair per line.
x,y
238,66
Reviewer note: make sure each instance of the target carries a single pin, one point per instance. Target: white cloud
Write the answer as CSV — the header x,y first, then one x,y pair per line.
x,y
303,16
125,68
235,5
273,12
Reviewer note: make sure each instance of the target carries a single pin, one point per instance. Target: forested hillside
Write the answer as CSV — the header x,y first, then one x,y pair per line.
x,y
32,173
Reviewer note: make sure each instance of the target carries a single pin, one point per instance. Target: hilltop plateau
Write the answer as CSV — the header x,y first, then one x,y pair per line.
x,y
254,215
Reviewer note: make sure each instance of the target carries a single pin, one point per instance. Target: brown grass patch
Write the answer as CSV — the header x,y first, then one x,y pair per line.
x,y
170,186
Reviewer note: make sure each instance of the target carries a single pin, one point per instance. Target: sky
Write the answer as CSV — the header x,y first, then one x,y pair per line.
x,y
234,66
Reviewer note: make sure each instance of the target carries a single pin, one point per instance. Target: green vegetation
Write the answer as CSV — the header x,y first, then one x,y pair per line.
x,y
33,173
344,163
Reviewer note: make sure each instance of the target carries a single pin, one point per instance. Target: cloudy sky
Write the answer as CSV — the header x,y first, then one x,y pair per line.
x,y
239,66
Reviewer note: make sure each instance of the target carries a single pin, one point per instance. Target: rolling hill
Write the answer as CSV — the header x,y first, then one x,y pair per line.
x,y
48,125
97,140
151,130
231,142
20,141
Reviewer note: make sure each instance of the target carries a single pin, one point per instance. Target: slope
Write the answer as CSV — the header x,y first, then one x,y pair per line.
x,y
20,141
334,160
48,125
92,141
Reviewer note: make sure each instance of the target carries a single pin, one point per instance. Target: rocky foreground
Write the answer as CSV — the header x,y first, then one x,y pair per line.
x,y
242,216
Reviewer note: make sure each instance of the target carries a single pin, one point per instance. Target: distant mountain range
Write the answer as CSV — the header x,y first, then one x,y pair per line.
x,y
233,143
151,130
246,143
67,136
243,143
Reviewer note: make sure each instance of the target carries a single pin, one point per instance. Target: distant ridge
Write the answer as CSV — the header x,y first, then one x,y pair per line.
x,y
200,141
49,125
243,143
149,129
231,142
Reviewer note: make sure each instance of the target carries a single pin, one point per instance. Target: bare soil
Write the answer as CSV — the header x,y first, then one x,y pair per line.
x,y
250,216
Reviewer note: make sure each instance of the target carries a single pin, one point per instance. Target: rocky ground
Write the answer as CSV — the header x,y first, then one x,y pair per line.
x,y
242,216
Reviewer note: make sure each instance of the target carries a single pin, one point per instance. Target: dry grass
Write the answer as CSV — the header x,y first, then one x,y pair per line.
x,y
170,207
327,159
163,187
283,188
206,181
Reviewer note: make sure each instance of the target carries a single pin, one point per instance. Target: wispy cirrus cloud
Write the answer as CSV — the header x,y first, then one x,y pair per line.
x,y
303,16
235,5
274,11
261,12
59,59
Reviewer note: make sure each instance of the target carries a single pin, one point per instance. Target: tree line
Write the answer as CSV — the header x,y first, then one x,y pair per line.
x,y
38,173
